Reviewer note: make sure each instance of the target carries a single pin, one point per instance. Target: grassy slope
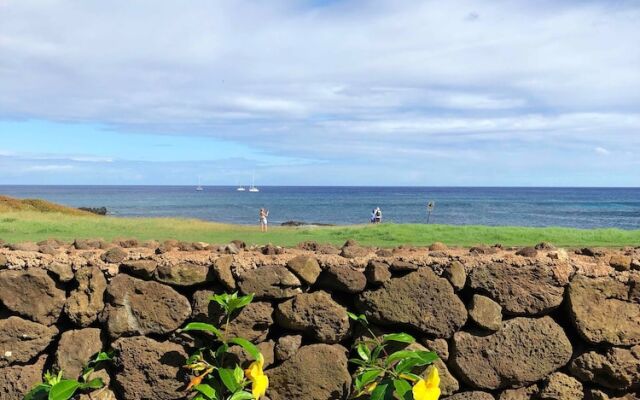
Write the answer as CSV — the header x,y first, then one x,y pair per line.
x,y
18,226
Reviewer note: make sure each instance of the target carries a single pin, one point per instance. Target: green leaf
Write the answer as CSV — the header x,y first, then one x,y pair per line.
x,y
382,392
248,346
103,356
369,376
39,392
63,390
363,351
221,350
239,302
241,396
399,337
92,384
206,390
204,327
399,355
227,377
402,387
238,374
352,315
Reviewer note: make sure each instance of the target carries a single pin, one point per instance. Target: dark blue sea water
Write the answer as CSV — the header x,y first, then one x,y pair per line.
x,y
570,207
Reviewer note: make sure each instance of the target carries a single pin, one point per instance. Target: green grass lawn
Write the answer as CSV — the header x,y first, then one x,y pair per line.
x,y
34,226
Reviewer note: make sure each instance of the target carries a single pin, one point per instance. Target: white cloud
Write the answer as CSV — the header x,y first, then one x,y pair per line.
x,y
48,168
602,151
334,82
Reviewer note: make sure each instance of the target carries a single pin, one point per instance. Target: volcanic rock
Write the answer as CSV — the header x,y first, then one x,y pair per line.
x,y
21,340
137,307
504,358
603,311
317,371
420,300
33,294
86,301
315,314
525,290
269,282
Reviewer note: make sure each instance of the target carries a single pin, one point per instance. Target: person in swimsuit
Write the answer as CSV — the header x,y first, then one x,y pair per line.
x,y
264,213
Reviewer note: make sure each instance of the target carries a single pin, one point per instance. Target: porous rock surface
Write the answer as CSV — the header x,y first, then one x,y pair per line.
x,y
420,300
551,324
503,359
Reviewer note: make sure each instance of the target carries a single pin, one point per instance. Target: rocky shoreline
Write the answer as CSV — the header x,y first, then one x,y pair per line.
x,y
527,323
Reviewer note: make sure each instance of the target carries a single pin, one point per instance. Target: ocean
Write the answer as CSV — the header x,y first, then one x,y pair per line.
x,y
567,207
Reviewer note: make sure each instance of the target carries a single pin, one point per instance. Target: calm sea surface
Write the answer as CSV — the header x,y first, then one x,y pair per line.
x,y
570,207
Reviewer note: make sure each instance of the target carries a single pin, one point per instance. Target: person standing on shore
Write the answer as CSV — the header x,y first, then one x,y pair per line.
x,y
264,225
378,215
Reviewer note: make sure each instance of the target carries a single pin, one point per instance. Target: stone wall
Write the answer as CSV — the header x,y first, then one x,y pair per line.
x,y
532,323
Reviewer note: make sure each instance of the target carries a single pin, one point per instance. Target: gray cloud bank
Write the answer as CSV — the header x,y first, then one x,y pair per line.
x,y
407,92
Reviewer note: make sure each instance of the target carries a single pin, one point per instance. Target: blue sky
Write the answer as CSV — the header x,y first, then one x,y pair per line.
x,y
385,92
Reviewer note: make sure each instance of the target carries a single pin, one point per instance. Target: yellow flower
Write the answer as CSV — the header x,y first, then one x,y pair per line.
x,y
428,388
259,381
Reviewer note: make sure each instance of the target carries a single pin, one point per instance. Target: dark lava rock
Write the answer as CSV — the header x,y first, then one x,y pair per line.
x,y
22,341
137,307
603,311
526,290
86,302
420,300
342,278
306,268
33,294
149,369
269,282
317,371
315,314
505,359
617,368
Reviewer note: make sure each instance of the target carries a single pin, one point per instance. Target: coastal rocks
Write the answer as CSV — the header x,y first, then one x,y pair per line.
x,y
420,300
485,312
471,396
315,314
603,311
287,346
137,307
306,268
149,369
33,294
269,282
620,262
526,290
377,273
530,252
114,255
317,371
222,271
62,271
143,269
16,381
559,386
353,250
22,340
342,278
75,349
86,301
456,275
252,322
183,274
617,369
504,358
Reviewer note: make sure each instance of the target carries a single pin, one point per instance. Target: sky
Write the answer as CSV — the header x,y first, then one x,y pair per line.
x,y
380,92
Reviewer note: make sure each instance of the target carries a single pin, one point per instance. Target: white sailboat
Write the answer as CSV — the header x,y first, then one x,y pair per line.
x,y
199,188
253,188
240,189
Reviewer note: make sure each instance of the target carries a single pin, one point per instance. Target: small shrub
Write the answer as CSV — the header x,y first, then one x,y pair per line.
x,y
381,375
213,378
55,387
